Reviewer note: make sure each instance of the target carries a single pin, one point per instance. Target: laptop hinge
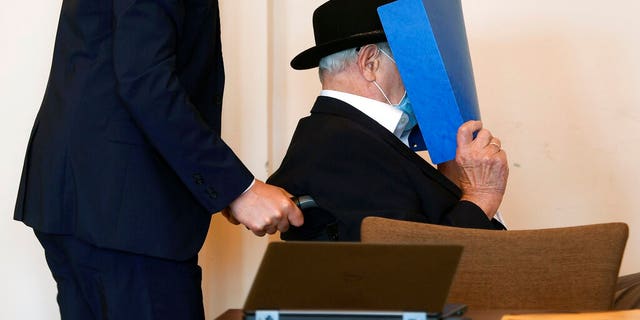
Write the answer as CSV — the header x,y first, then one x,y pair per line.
x,y
267,315
414,316
275,315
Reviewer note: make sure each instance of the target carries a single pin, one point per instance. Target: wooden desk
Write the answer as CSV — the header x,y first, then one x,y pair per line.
x,y
236,314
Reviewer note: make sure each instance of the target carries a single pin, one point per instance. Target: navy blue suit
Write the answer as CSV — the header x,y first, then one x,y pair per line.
x,y
125,152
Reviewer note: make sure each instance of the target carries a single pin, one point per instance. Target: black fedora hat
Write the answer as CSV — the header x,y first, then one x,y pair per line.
x,y
339,25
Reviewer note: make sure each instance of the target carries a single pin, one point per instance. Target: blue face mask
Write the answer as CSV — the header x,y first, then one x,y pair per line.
x,y
407,108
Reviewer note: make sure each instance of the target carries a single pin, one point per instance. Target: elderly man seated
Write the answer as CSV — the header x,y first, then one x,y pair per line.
x,y
353,154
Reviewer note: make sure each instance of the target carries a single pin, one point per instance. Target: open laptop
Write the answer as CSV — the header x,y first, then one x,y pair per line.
x,y
334,280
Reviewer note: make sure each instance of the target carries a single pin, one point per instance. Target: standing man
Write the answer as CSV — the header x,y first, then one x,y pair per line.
x,y
125,163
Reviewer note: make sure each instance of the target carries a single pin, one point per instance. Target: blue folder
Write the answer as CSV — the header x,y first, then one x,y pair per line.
x,y
429,43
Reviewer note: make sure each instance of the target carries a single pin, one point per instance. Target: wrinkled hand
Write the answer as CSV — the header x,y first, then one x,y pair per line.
x,y
264,209
482,167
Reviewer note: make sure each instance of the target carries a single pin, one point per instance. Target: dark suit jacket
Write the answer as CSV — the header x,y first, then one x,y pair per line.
x,y
126,152
353,167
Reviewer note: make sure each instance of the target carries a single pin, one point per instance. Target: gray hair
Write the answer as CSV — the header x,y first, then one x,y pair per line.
x,y
339,61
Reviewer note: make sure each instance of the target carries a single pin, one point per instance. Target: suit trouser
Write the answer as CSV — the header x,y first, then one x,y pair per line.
x,y
96,283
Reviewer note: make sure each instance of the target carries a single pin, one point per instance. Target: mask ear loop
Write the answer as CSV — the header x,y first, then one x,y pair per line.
x,y
388,56
385,96
358,49
375,82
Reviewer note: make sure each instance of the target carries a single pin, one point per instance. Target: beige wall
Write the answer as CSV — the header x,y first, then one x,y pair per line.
x,y
27,31
557,81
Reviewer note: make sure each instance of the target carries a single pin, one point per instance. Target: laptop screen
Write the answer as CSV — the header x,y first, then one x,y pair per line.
x,y
353,276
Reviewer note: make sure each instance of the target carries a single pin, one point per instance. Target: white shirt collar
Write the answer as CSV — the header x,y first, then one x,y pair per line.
x,y
387,116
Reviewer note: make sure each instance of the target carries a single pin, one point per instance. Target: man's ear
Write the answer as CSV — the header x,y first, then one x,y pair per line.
x,y
368,62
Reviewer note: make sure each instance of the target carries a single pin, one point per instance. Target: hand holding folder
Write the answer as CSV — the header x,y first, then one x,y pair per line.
x,y
429,43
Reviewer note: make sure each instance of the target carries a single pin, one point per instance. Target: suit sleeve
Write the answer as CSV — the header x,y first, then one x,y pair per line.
x,y
144,50
467,214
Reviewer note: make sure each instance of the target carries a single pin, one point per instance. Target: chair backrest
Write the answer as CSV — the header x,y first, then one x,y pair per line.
x,y
563,269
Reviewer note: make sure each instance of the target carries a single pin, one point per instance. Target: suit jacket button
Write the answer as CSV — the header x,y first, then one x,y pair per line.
x,y
212,193
197,178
